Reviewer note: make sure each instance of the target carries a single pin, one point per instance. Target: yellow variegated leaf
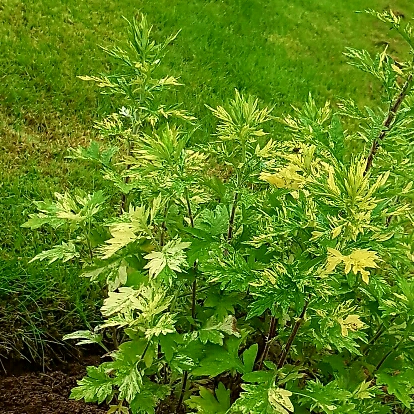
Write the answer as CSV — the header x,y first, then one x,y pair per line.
x,y
127,232
351,323
268,151
171,256
362,391
331,183
280,401
334,258
357,261
287,177
336,231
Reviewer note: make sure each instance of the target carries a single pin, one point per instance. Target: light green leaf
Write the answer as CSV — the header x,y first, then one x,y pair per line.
x,y
64,252
163,326
86,337
171,256
95,387
129,383
73,210
134,226
214,330
122,301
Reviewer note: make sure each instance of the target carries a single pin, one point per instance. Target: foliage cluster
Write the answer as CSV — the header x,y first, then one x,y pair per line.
x,y
247,274
275,49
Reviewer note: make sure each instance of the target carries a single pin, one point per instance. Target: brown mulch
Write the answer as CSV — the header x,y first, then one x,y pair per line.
x,y
25,392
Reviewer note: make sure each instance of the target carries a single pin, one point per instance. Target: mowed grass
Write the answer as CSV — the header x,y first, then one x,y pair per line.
x,y
277,50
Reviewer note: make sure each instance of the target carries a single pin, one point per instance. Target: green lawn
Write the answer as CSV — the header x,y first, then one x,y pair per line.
x,y
277,50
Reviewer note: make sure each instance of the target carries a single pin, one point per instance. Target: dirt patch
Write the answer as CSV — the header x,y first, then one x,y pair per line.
x,y
44,392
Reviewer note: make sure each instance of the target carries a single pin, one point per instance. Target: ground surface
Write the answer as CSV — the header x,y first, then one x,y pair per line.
x,y
43,392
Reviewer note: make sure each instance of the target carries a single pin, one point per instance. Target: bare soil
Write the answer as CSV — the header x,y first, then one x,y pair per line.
x,y
25,390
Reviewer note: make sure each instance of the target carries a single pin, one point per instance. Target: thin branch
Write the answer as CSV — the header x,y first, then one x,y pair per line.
x,y
292,336
392,113
145,349
232,216
194,285
193,299
190,212
114,336
270,336
124,199
183,387
394,348
384,358
163,227
381,330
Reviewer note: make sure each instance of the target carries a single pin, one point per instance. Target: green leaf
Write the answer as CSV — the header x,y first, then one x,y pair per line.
x,y
220,359
208,403
95,387
86,337
249,357
64,252
214,330
134,225
216,362
146,401
119,181
122,301
171,256
213,222
222,302
93,153
324,397
400,384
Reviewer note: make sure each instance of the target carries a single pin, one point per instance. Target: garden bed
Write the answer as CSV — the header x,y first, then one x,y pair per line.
x,y
24,390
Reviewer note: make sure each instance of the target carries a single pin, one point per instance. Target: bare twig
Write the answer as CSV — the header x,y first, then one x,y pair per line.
x,y
292,336
270,336
392,113
183,387
232,216
124,199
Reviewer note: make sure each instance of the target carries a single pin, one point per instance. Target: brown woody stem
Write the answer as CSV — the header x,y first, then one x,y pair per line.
x,y
232,216
392,113
124,199
194,285
292,336
183,387
270,336
190,212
